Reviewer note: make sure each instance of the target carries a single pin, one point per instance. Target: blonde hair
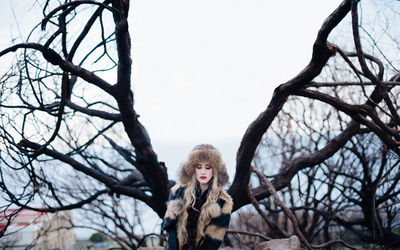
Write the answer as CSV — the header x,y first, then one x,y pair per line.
x,y
190,200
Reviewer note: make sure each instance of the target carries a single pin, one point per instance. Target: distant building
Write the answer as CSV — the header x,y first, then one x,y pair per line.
x,y
37,230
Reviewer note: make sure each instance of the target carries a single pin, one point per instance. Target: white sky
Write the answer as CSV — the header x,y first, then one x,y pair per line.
x,y
204,70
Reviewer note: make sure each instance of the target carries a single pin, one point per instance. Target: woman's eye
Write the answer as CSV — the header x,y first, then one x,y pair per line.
x,y
208,167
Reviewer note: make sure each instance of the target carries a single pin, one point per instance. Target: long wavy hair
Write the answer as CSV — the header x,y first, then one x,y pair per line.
x,y
190,200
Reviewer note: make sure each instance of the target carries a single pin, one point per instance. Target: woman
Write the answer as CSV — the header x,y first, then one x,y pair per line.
x,y
198,210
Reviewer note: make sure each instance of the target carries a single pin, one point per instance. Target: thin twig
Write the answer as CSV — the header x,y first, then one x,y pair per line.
x,y
286,210
274,227
289,213
232,231
324,245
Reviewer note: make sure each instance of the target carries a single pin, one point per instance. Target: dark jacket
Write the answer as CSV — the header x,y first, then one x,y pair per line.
x,y
214,231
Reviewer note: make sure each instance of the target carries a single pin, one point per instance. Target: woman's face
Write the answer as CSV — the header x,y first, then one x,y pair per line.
x,y
204,172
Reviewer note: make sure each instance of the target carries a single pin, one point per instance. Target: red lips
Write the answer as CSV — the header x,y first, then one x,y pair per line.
x,y
203,177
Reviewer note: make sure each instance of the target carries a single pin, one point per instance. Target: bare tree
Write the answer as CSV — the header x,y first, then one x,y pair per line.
x,y
332,200
120,218
69,93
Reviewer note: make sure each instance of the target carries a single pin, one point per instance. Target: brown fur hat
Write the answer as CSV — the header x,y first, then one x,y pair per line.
x,y
204,152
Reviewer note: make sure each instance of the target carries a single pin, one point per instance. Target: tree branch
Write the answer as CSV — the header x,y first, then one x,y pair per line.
x,y
251,139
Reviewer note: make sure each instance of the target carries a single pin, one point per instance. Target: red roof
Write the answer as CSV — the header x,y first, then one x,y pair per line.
x,y
22,218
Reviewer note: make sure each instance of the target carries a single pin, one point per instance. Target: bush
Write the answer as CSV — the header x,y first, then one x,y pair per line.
x,y
98,237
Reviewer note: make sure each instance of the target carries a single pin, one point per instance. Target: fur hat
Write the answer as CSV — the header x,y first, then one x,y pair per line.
x,y
204,152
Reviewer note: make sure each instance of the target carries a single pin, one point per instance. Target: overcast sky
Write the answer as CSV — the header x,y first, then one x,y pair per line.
x,y
204,70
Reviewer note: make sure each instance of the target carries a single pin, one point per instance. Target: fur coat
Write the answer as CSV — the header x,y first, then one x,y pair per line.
x,y
214,231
